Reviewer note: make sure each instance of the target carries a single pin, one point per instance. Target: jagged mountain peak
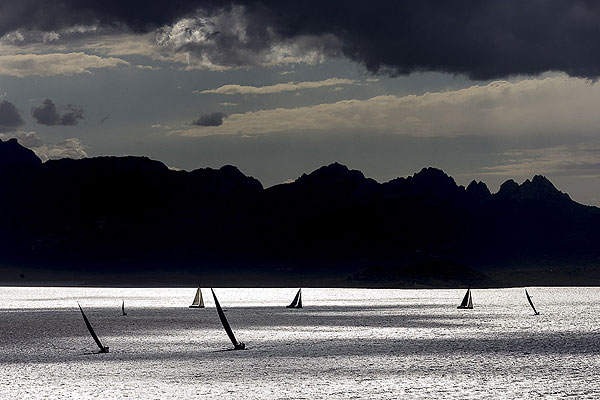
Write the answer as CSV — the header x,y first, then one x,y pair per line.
x,y
539,188
334,174
429,181
507,188
433,177
432,173
226,180
478,190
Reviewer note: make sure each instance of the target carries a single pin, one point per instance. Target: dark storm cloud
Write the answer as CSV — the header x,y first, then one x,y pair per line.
x,y
48,114
210,119
481,39
10,118
139,16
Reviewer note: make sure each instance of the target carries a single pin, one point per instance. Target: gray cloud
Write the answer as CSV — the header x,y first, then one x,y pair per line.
x,y
581,159
23,65
47,114
210,119
10,119
500,108
278,88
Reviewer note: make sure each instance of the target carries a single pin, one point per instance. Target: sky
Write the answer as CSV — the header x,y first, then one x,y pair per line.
x,y
487,90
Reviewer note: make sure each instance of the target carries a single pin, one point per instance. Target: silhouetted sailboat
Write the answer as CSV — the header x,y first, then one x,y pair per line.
x,y
467,302
103,349
236,345
297,302
198,300
123,308
531,303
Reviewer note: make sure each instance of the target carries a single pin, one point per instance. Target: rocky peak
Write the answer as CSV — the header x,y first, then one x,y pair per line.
x,y
508,188
334,175
538,189
478,190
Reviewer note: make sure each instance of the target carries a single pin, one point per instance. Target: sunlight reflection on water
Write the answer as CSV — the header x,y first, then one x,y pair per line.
x,y
345,343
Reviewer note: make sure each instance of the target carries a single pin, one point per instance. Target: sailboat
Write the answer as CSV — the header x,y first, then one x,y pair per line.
x,y
297,302
236,345
123,308
467,302
198,300
103,349
531,303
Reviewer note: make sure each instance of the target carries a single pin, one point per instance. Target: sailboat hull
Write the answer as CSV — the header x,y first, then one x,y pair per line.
x,y
195,306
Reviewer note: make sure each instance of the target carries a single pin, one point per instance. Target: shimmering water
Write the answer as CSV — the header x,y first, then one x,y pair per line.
x,y
345,343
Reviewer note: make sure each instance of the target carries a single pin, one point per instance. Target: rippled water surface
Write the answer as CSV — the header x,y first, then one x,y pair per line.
x,y
345,343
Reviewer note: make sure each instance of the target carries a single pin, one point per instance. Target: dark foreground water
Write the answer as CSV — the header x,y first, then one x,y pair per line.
x,y
345,343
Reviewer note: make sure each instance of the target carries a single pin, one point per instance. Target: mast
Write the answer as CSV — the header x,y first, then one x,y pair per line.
x,y
236,345
94,336
531,303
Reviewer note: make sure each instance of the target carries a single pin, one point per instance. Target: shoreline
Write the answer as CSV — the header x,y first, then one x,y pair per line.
x,y
46,284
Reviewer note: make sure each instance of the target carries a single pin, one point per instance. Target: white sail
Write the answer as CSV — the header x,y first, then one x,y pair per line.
x,y
470,303
198,300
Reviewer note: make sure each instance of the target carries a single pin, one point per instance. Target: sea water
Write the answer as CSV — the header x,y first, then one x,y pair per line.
x,y
344,343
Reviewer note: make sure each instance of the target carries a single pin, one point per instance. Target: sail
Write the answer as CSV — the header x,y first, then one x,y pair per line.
x,y
467,301
123,308
94,336
531,303
198,300
224,321
297,302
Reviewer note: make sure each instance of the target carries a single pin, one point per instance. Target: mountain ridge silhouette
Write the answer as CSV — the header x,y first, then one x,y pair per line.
x,y
116,220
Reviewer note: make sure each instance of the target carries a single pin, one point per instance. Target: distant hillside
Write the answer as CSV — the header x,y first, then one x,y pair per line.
x,y
132,220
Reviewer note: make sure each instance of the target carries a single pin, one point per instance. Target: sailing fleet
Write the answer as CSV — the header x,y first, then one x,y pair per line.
x,y
198,302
